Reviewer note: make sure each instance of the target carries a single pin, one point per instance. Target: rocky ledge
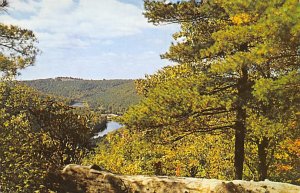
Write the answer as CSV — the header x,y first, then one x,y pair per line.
x,y
79,179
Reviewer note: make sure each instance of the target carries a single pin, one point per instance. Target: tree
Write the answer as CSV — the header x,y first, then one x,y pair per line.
x,y
127,152
17,48
230,46
273,119
38,136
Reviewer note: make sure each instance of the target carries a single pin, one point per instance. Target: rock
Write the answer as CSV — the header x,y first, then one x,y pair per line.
x,y
79,179
91,179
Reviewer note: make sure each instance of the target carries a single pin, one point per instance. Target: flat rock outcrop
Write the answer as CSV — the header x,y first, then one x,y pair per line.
x,y
92,179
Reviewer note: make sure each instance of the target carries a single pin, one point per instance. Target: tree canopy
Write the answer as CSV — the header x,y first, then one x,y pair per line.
x,y
231,56
38,136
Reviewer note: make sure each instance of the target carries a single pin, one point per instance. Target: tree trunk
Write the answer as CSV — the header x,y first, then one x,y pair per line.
x,y
239,152
244,91
262,157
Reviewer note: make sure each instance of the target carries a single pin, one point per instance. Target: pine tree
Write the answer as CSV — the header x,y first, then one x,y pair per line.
x,y
228,47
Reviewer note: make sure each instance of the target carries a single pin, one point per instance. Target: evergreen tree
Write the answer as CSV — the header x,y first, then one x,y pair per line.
x,y
229,47
17,47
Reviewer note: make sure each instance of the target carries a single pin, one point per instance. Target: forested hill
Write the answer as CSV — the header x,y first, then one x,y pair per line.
x,y
108,96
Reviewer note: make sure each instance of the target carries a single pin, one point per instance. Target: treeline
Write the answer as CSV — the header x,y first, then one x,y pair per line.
x,y
105,96
69,78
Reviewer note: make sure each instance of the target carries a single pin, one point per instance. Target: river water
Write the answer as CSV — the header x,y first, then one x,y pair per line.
x,y
110,126
77,104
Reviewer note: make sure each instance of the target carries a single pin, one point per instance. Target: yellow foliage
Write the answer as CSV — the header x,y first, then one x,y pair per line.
x,y
241,18
128,152
294,147
284,168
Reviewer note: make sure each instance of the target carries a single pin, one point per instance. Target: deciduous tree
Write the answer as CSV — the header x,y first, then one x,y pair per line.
x,y
38,136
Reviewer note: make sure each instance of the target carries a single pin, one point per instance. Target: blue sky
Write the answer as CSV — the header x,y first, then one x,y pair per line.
x,y
91,39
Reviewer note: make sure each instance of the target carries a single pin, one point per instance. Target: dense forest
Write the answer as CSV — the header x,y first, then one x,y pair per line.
x,y
105,96
229,108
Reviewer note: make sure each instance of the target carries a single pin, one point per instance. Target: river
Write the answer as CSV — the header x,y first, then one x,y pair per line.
x,y
110,126
77,104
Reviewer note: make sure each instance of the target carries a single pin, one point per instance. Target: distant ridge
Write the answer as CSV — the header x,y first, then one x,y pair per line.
x,y
73,78
107,96
67,78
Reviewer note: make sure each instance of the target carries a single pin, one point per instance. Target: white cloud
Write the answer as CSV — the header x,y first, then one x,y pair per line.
x,y
90,38
28,6
69,23
97,66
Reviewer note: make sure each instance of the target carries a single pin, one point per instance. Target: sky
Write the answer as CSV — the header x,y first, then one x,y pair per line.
x,y
91,39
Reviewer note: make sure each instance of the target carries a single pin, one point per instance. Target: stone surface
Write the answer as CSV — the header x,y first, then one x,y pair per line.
x,y
79,179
